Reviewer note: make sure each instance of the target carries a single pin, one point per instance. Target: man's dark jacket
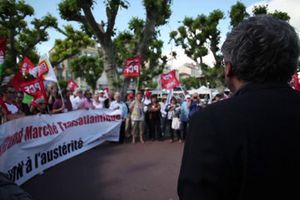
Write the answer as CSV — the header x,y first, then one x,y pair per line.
x,y
246,147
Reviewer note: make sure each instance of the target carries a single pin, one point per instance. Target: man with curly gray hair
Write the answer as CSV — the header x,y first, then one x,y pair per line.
x,y
248,146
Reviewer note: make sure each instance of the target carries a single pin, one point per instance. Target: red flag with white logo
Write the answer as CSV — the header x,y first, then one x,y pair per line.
x,y
34,88
169,80
26,65
72,85
132,67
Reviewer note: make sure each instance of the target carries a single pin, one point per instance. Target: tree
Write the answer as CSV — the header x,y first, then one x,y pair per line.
x,y
190,82
157,12
20,37
71,45
125,44
88,67
197,36
238,13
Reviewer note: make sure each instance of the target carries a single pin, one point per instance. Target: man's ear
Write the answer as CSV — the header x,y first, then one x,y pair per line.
x,y
228,70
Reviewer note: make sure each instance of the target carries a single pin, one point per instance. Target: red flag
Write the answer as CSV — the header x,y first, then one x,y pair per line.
x,y
17,80
34,88
72,85
132,67
26,65
295,82
43,68
169,80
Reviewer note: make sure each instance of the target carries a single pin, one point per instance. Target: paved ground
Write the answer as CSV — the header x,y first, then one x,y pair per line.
x,y
113,172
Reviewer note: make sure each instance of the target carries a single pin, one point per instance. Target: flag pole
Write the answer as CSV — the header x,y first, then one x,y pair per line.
x,y
60,92
137,85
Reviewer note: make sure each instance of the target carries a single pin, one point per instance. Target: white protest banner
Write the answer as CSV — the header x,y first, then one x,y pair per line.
x,y
32,144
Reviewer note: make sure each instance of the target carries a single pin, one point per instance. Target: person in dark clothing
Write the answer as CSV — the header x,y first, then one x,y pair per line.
x,y
154,119
194,104
247,147
23,106
10,190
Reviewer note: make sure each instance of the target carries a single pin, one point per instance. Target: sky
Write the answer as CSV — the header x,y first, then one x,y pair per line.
x,y
180,9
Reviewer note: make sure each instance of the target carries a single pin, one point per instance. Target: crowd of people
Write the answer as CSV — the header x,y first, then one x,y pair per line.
x,y
144,115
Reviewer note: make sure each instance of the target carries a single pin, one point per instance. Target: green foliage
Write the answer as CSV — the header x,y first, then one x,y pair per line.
x,y
22,39
260,10
125,44
71,45
158,10
140,39
237,13
63,84
199,35
281,15
190,82
90,68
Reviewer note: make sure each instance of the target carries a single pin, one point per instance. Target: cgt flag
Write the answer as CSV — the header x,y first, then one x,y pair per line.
x,y
72,85
26,65
2,54
46,69
169,80
133,67
34,88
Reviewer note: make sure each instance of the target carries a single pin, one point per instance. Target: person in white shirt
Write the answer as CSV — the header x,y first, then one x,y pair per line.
x,y
102,97
163,106
77,100
117,104
96,102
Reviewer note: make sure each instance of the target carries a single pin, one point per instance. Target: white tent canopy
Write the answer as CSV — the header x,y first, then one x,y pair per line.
x,y
200,90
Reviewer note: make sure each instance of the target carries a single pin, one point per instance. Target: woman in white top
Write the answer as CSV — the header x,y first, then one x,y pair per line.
x,y
96,101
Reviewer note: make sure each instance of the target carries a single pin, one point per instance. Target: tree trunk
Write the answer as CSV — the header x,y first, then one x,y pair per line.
x,y
110,66
12,50
148,32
